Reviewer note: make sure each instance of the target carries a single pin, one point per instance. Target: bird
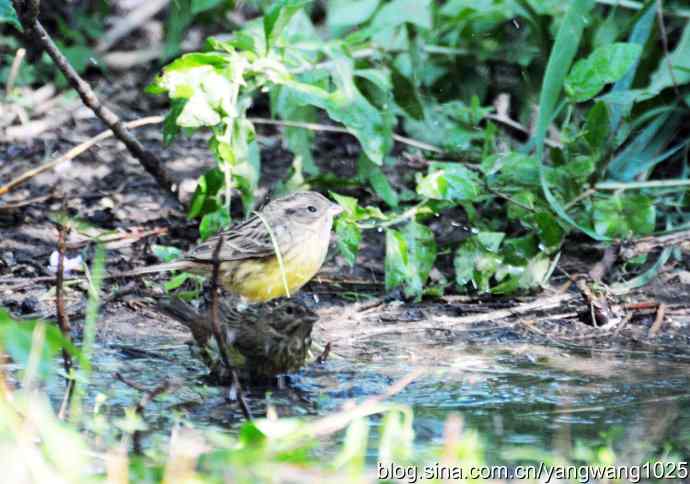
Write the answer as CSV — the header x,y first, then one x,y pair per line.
x,y
271,254
262,340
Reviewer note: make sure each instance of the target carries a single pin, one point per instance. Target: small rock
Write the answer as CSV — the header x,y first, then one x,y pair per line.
x,y
29,305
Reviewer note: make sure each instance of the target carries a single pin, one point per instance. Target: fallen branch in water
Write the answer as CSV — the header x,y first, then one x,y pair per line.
x,y
149,396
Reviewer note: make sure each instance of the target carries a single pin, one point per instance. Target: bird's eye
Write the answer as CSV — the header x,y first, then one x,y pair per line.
x,y
288,310
311,208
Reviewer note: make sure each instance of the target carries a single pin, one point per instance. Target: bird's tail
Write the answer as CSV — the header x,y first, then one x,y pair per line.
x,y
184,265
184,313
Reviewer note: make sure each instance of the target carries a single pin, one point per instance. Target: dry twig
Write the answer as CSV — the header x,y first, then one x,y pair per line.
x,y
149,396
28,14
218,335
73,153
658,321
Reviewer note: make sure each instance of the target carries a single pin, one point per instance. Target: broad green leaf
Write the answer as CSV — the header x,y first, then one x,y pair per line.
x,y
176,281
490,240
398,12
278,16
349,13
549,230
476,264
355,213
199,6
605,65
406,95
214,222
205,199
449,181
624,216
166,253
377,179
371,127
349,236
8,14
410,256
510,169
179,18
16,339
597,126
170,127
349,204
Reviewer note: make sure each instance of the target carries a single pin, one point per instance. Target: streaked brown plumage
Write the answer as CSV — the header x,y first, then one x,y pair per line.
x,y
263,340
301,225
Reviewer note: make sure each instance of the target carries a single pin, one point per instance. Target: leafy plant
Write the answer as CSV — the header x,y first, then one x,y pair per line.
x,y
609,110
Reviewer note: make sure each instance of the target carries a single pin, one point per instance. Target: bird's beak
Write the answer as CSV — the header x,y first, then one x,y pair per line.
x,y
335,209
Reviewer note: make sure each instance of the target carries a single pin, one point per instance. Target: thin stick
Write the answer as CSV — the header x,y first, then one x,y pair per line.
x,y
671,183
220,341
28,13
14,70
667,56
74,152
62,318
337,129
658,321
324,354
148,397
511,123
129,22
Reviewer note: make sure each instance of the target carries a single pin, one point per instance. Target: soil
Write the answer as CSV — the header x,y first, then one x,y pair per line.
x,y
108,192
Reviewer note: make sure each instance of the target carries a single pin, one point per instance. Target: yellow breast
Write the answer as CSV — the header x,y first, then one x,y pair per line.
x,y
261,280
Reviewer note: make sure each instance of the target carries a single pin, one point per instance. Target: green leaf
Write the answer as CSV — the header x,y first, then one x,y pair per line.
x,y
377,179
624,216
549,230
679,60
176,281
178,19
346,105
597,126
213,222
475,263
410,256
278,16
491,241
170,126
8,14
406,94
349,204
199,6
349,13
605,65
398,12
640,35
349,236
449,181
205,199
560,59
166,253
16,338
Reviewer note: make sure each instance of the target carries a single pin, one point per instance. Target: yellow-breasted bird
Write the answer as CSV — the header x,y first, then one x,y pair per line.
x,y
263,339
299,225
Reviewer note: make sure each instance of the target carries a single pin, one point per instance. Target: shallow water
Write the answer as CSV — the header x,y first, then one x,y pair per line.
x,y
512,393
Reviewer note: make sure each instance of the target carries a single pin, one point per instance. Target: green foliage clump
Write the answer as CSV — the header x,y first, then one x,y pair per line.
x,y
424,67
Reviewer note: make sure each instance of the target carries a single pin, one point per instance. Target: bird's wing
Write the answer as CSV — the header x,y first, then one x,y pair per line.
x,y
246,240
